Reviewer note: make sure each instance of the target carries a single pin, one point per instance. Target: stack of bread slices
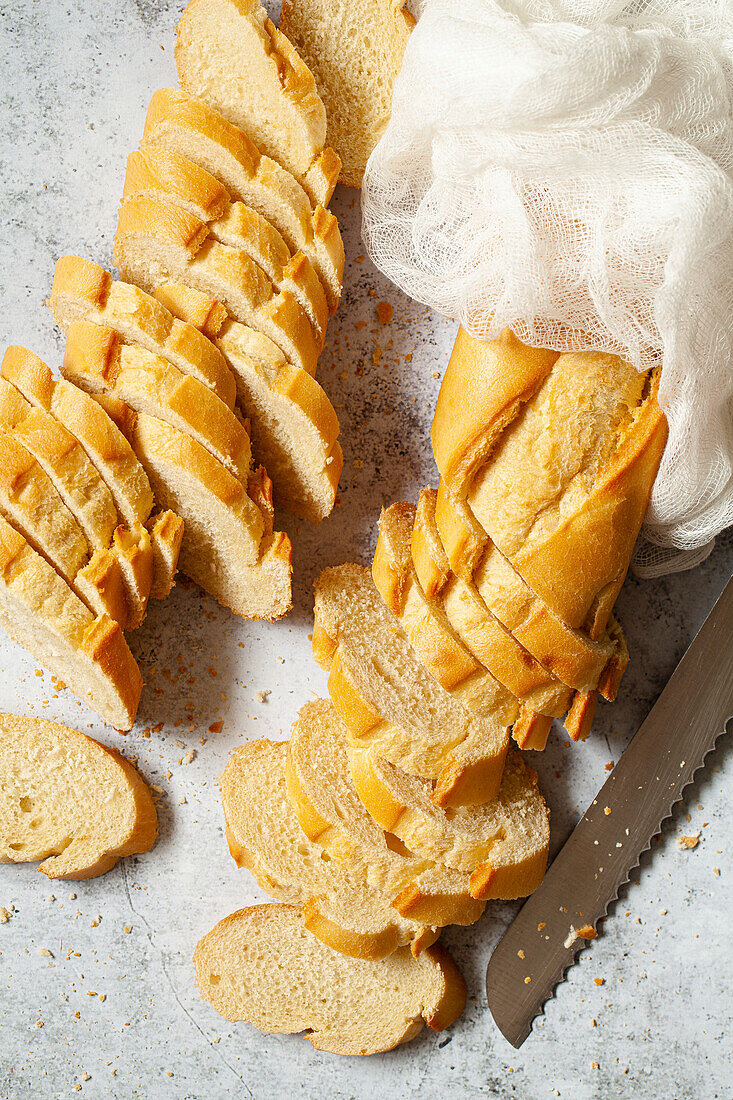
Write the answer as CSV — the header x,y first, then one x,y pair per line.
x,y
188,407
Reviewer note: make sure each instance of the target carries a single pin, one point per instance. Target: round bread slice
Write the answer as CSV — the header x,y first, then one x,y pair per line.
x,y
84,291
69,801
503,844
192,128
157,242
95,360
276,105
41,613
332,815
388,700
339,906
293,425
164,174
262,965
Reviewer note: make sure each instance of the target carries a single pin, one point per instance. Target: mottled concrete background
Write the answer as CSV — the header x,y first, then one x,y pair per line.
x,y
112,1010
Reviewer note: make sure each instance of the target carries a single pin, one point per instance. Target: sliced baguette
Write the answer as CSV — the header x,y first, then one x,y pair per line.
x,y
503,844
332,815
157,242
95,360
84,291
195,130
339,907
354,52
387,700
276,104
225,548
69,801
41,613
293,425
262,965
164,174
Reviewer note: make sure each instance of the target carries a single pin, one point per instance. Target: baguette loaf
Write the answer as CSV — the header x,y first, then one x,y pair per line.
x,y
387,700
84,291
354,51
263,966
41,613
157,242
195,130
163,174
339,907
293,425
69,801
277,105
96,361
332,815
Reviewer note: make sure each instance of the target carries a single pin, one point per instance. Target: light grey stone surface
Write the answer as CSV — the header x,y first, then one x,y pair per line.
x,y
113,1011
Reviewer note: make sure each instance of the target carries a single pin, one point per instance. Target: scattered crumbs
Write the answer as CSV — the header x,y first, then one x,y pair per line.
x,y
93,923
156,788
359,260
527,980
385,313
127,928
4,915
212,672
46,952
688,842
609,767
570,938
77,1087
216,727
436,374
91,993
73,897
217,1039
716,871
520,953
663,912
103,996
541,925
189,757
587,932
606,810
600,981
262,696
594,1065
168,774
182,801
593,1023
86,1077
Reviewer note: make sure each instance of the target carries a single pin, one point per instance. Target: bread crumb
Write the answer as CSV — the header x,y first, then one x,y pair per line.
x,y
527,981
127,928
520,953
541,925
600,981
216,727
385,313
103,996
587,932
263,696
46,952
86,1077
688,842
594,1065
593,1023
4,915
716,871
73,897
606,810
189,757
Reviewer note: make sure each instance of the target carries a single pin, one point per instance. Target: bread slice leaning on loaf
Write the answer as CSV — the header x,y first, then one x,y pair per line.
x,y
263,966
69,801
157,242
276,104
193,129
354,52
164,174
293,425
332,815
338,904
388,700
41,613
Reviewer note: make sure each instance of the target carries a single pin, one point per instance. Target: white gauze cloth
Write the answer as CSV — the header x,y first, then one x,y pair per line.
x,y
567,169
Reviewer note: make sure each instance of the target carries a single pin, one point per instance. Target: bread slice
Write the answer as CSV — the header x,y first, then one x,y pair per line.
x,y
69,801
84,492
41,613
166,536
575,658
195,130
386,699
332,815
84,291
262,965
163,174
293,425
225,547
354,52
276,104
339,907
157,242
503,844
95,360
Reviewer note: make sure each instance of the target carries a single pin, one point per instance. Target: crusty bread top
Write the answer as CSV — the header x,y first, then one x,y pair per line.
x,y
277,104
68,800
263,966
354,50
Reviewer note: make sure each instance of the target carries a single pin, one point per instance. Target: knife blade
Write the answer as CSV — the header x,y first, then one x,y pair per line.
x,y
605,846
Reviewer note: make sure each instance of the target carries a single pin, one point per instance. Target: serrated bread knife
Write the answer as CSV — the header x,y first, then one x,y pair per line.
x,y
670,745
